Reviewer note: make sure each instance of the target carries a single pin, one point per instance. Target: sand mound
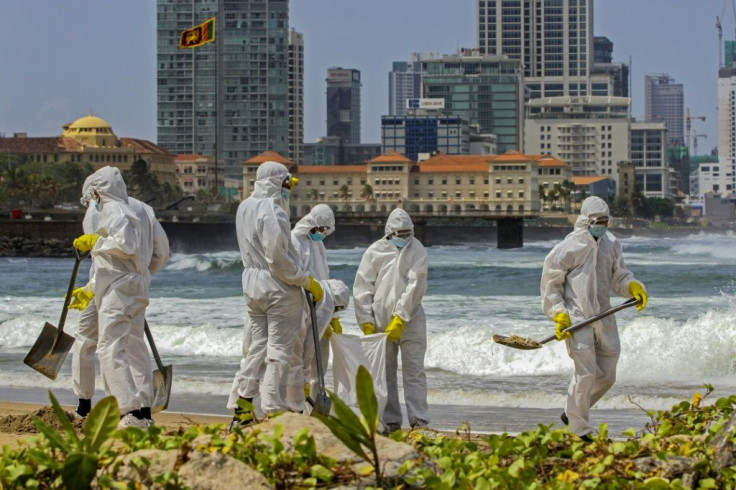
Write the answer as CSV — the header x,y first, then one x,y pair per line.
x,y
22,424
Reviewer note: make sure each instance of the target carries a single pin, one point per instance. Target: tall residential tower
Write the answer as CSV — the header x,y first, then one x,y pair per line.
x,y
552,38
663,101
343,104
228,98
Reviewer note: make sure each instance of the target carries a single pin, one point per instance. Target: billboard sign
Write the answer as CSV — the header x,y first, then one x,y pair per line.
x,y
416,103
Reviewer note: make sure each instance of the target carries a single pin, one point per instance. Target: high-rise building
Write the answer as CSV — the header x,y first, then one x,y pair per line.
x,y
563,126
726,182
648,149
486,89
552,39
230,97
405,82
603,64
343,104
296,96
663,101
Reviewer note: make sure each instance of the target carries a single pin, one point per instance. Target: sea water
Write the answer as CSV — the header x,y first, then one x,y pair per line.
x,y
686,337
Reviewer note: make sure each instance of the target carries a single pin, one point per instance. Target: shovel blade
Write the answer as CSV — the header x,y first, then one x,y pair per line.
x,y
517,342
322,404
161,389
48,353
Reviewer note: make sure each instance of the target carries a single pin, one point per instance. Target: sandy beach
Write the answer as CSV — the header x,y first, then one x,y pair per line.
x,y
12,412
185,411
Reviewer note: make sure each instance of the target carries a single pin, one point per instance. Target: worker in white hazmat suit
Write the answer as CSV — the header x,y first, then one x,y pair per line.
x,y
307,236
121,249
272,287
387,295
85,345
577,279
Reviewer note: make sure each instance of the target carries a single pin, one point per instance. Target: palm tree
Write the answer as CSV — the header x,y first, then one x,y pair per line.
x,y
367,192
343,193
542,194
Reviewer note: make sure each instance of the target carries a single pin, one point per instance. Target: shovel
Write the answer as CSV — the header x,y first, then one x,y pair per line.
x,y
161,378
322,404
52,345
524,343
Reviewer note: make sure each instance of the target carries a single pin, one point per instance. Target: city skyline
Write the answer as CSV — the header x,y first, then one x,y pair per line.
x,y
82,55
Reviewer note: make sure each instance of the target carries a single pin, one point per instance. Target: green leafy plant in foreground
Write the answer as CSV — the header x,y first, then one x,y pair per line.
x,y
64,455
358,434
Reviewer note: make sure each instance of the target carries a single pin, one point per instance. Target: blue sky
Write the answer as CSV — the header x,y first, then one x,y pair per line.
x,y
62,57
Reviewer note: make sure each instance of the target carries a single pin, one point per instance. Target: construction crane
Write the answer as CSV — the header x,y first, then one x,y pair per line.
x,y
697,135
689,118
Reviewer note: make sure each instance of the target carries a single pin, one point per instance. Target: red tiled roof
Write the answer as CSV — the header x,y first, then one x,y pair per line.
x,y
143,146
390,157
52,144
550,161
188,157
454,163
588,179
268,156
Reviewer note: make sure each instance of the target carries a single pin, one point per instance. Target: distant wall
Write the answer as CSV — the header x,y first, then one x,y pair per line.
x,y
188,237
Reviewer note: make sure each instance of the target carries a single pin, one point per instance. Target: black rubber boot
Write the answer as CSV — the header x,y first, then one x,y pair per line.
x,y
84,406
564,419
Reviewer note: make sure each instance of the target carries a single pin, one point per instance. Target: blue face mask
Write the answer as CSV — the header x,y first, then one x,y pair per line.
x,y
96,203
285,193
598,230
400,242
317,237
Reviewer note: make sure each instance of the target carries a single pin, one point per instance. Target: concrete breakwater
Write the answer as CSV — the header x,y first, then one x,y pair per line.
x,y
31,238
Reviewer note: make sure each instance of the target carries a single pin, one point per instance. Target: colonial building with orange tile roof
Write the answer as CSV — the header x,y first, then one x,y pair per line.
x,y
502,184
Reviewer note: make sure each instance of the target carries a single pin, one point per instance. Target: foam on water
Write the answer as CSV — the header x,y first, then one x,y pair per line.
x,y
685,337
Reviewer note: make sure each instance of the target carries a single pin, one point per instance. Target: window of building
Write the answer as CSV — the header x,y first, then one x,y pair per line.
x,y
457,180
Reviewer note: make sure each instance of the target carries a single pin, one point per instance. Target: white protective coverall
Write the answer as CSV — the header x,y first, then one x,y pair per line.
x,y
313,257
577,278
83,350
392,281
272,282
120,258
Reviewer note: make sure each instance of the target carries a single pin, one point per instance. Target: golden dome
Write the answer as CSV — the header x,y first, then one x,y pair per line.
x,y
91,131
90,122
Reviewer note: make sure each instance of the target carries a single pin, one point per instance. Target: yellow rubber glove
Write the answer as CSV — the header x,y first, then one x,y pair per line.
x,y
636,289
81,298
294,181
85,243
336,325
315,289
368,328
395,329
562,321
307,389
